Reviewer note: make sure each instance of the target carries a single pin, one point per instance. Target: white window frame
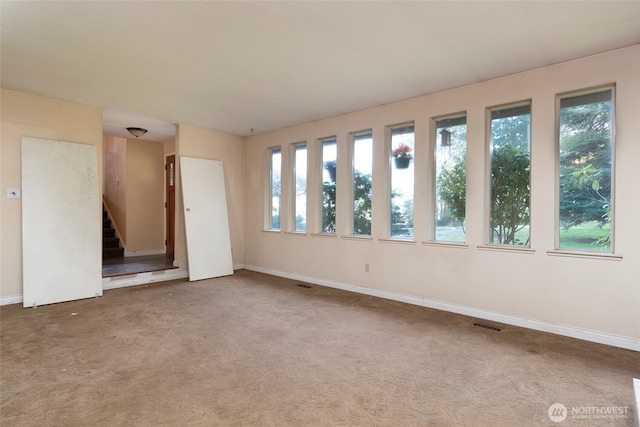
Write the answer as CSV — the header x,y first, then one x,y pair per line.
x,y
269,192
487,223
320,143
294,186
559,98
434,176
389,188
351,192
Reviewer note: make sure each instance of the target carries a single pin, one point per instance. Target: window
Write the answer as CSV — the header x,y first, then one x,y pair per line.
x,y
402,185
450,178
362,167
300,187
510,176
275,179
329,157
585,163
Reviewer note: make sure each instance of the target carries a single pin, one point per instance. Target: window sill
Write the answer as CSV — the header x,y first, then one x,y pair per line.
x,y
455,245
272,231
324,235
587,255
514,249
400,241
360,238
295,233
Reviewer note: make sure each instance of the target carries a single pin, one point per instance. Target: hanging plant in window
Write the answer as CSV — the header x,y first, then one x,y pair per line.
x,y
330,166
402,156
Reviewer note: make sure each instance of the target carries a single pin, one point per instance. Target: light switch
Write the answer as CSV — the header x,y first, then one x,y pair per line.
x,y
13,193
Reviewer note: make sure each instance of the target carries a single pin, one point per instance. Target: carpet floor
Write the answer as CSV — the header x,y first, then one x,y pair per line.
x,y
253,349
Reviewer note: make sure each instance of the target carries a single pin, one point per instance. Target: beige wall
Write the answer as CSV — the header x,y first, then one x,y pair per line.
x,y
169,147
145,197
114,183
600,296
590,294
200,143
38,117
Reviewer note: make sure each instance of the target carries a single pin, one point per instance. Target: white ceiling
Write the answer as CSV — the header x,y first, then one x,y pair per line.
x,y
237,66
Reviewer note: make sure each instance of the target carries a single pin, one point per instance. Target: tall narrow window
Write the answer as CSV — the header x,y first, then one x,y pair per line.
x,y
300,188
362,168
585,144
402,176
510,176
329,157
275,178
451,179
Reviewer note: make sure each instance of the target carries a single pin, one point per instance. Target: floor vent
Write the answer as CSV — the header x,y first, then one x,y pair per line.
x,y
489,327
302,285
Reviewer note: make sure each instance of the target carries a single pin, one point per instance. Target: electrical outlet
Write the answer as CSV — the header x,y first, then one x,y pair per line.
x,y
366,267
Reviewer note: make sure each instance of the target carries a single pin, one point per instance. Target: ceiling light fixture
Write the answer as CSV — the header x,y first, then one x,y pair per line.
x,y
137,132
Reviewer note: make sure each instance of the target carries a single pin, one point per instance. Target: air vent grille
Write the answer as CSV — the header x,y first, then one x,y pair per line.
x,y
489,327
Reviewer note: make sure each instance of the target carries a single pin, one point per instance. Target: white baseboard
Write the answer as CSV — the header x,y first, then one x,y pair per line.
x,y
11,299
565,330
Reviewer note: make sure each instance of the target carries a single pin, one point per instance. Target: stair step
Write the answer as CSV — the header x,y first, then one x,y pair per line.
x,y
112,252
110,242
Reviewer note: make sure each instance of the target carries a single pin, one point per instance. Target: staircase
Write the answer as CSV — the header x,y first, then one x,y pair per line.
x,y
110,243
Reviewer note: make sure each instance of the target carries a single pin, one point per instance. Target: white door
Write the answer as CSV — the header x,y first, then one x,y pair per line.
x,y
61,222
205,217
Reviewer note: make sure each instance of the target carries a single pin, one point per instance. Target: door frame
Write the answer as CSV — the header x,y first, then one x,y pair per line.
x,y
170,205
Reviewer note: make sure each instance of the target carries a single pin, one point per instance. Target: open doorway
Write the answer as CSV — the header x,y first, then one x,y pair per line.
x,y
139,205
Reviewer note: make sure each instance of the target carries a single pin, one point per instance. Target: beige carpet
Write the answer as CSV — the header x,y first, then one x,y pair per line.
x,y
252,349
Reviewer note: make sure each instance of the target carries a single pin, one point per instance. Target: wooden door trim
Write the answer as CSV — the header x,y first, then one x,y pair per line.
x,y
170,211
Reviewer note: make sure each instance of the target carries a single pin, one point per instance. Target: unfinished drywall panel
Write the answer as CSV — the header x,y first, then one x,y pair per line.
x,y
206,219
61,238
